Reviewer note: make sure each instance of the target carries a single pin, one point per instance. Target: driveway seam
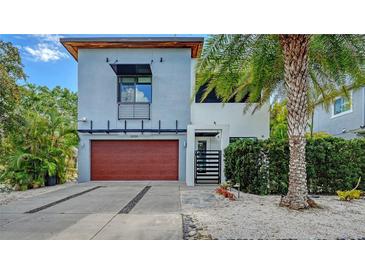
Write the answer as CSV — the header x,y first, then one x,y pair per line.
x,y
126,209
108,222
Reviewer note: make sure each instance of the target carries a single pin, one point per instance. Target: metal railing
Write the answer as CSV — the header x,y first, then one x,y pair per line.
x,y
208,166
134,111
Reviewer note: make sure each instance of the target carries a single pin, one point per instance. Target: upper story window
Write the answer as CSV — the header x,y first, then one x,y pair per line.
x,y
341,105
135,89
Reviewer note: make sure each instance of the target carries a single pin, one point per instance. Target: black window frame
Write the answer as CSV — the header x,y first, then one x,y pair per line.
x,y
119,92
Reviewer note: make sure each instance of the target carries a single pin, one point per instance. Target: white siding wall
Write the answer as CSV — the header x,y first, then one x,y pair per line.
x,y
241,124
323,121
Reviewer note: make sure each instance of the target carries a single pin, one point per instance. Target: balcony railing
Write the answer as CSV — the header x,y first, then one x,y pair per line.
x,y
134,111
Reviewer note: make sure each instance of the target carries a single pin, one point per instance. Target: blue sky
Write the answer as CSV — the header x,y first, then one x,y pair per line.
x,y
46,62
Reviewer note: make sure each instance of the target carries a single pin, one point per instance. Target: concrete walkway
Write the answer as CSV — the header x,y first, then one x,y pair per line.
x,y
95,214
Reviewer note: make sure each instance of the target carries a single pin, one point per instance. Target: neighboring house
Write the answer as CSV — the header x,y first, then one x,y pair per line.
x,y
346,116
137,119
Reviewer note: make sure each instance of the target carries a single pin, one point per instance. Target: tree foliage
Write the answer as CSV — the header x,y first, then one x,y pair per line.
x,y
238,65
278,120
261,67
37,127
45,139
11,71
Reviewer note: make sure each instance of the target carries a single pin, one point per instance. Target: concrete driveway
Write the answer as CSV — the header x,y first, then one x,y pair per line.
x,y
103,210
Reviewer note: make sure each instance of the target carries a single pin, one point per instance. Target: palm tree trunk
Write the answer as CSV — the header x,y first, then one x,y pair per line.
x,y
295,50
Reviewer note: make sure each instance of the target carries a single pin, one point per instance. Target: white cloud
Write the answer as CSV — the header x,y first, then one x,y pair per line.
x,y
140,97
45,52
128,95
47,49
53,38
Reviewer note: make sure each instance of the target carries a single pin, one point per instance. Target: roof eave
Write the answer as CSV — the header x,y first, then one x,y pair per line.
x,y
73,44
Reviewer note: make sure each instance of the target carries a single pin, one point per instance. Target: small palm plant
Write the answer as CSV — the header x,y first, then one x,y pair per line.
x,y
47,144
260,67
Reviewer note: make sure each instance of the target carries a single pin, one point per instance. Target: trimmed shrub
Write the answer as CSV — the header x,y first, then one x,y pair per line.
x,y
262,166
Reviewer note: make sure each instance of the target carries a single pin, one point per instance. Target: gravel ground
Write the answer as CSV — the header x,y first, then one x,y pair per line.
x,y
260,217
7,197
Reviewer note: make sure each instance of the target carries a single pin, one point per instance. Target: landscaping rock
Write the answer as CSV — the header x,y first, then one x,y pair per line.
x,y
5,188
193,230
260,217
192,233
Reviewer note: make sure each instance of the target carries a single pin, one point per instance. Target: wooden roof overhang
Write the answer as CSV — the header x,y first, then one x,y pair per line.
x,y
73,45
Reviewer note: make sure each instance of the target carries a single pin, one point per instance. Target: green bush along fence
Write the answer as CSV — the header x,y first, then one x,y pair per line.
x,y
262,166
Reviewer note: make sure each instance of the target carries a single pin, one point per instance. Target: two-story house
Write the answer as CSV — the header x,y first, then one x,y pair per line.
x,y
138,118
345,118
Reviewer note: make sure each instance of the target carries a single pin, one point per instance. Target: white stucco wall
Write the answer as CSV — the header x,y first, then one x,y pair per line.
x,y
240,124
97,91
171,86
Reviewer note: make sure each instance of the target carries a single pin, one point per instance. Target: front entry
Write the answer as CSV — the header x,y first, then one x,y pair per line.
x,y
207,160
208,166
134,160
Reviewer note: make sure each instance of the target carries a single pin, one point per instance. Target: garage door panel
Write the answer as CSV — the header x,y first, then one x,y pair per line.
x,y
134,160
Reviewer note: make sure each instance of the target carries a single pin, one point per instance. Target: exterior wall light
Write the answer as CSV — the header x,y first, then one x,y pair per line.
x,y
83,119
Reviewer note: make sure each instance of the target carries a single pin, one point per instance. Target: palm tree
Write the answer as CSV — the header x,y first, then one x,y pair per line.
x,y
262,66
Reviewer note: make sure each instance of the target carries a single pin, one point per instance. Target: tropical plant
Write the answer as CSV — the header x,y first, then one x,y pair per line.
x,y
350,194
262,66
48,139
278,120
225,193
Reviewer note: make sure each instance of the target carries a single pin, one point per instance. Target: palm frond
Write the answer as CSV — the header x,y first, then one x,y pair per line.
x,y
240,66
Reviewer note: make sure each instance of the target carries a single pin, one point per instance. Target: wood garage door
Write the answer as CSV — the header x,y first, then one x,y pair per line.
x,y
134,160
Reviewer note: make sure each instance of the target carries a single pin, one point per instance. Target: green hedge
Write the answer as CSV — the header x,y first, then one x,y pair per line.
x,y
262,166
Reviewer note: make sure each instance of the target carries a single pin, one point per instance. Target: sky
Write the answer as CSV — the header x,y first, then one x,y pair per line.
x,y
46,62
